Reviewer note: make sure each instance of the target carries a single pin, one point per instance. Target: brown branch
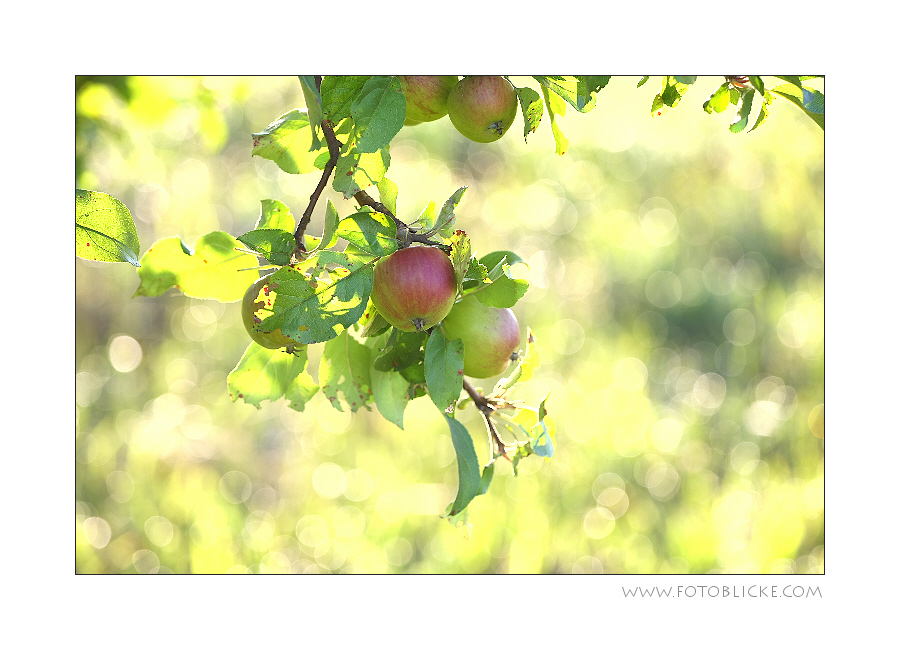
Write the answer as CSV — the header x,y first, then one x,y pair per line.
x,y
334,152
364,199
477,398
405,234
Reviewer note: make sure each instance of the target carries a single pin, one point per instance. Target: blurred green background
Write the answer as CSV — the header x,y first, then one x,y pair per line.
x,y
677,297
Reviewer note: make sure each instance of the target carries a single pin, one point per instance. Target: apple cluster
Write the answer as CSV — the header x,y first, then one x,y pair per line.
x,y
482,108
414,290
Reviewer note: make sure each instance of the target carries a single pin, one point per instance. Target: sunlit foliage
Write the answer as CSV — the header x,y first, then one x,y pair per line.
x,y
677,291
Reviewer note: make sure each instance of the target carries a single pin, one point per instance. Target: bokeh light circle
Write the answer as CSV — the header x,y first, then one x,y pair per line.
x,y
97,531
598,522
235,486
125,353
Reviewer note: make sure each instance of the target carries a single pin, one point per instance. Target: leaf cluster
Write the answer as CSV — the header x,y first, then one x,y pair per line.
x,y
322,284
324,298
740,92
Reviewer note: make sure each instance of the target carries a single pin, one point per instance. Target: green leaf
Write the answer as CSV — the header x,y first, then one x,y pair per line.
x,y
388,191
378,111
742,117
794,79
274,214
372,323
758,84
359,254
764,109
497,258
329,233
403,349
391,393
556,106
532,109
719,100
643,80
288,142
425,220
467,465
314,303
345,370
104,229
276,246
575,91
443,369
505,292
338,93
476,272
671,93
499,289
415,374
487,474
313,100
811,102
592,84
273,236
460,254
263,374
357,170
686,80
214,271
522,451
372,232
445,223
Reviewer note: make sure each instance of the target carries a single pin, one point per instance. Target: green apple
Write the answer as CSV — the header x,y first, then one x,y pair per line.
x,y
426,97
414,288
489,334
482,108
257,306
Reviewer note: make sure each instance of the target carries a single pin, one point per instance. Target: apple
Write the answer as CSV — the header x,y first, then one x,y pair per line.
x,y
482,108
489,335
255,307
426,97
414,288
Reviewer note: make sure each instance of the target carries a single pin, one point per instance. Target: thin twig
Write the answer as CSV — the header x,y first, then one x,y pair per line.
x,y
487,409
405,234
364,199
477,398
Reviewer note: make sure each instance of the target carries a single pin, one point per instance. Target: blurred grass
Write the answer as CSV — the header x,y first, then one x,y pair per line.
x,y
677,296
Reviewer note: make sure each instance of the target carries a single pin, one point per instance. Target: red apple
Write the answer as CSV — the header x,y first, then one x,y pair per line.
x,y
414,288
426,97
489,335
255,307
482,108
